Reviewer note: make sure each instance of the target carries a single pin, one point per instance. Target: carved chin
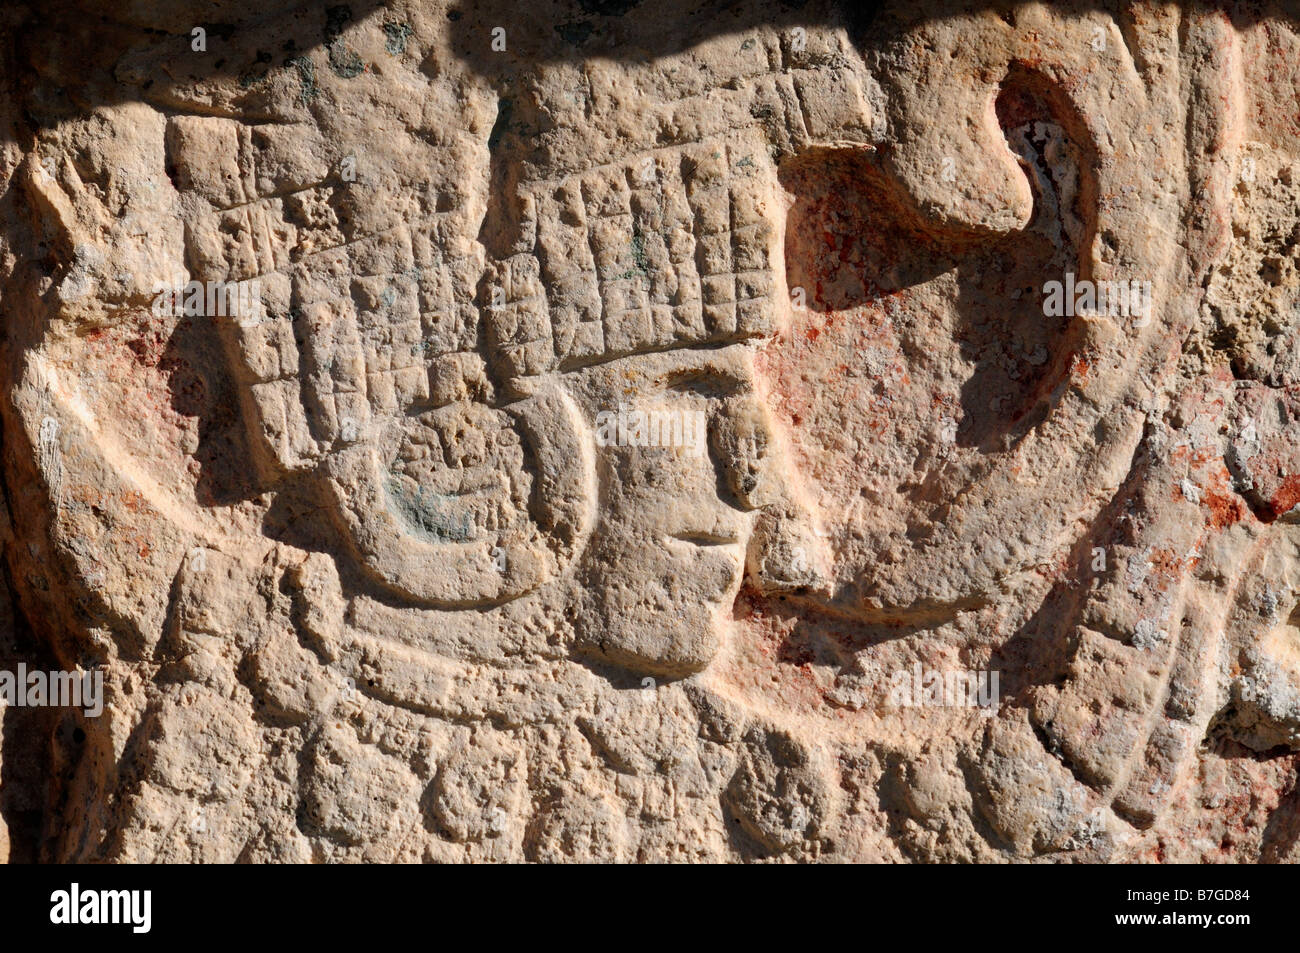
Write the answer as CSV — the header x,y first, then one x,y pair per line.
x,y
667,616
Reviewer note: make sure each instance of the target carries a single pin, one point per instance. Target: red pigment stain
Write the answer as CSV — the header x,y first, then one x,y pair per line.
x,y
1224,510
1286,498
772,662
141,543
1168,567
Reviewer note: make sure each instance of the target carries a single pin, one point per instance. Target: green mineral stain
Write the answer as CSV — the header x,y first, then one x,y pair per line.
x,y
395,37
429,514
640,263
307,76
344,61
638,254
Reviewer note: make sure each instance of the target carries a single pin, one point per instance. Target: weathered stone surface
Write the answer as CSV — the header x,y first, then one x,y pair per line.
x,y
630,432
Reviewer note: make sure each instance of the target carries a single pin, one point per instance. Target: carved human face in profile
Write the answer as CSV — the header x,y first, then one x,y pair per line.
x,y
639,284
441,412
667,553
589,345
644,281
437,325
920,378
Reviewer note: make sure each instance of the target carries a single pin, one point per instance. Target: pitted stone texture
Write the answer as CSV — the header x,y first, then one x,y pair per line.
x,y
372,577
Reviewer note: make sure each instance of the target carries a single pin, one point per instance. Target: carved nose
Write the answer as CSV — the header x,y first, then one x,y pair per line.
x,y
786,553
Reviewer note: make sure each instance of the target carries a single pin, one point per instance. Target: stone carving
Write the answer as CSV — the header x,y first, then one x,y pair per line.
x,y
461,433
